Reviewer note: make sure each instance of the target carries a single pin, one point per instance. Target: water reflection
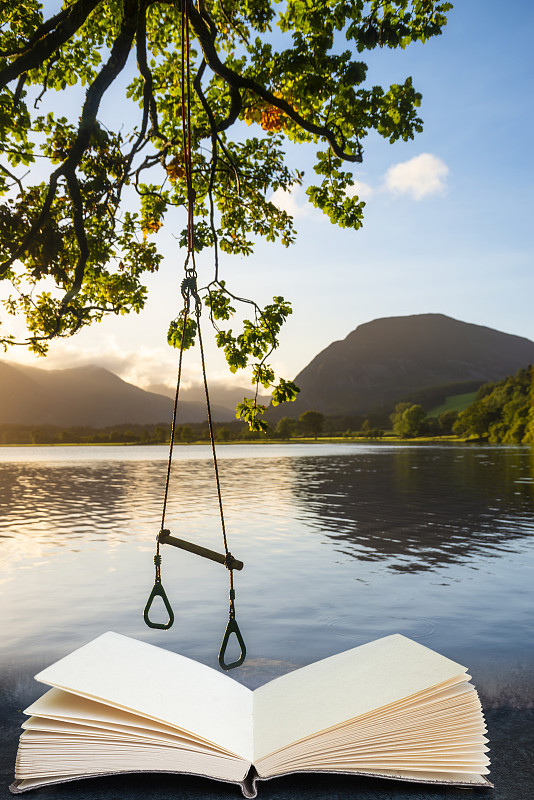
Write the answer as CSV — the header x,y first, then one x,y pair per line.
x,y
413,508
420,508
67,503
56,504
341,545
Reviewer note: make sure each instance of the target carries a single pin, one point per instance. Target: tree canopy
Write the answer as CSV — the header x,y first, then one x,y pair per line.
x,y
83,201
502,411
312,422
408,420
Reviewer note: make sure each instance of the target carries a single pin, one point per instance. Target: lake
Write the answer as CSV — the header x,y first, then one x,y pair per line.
x,y
341,543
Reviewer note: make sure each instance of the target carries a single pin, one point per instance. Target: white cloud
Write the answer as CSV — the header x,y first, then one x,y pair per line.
x,y
360,189
139,367
144,367
420,176
294,202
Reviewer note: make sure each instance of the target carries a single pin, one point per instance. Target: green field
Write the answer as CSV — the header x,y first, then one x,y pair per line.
x,y
456,402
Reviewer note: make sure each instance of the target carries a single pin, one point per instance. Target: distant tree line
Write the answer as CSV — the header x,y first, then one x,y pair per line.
x,y
501,412
313,423
410,420
122,434
310,424
83,434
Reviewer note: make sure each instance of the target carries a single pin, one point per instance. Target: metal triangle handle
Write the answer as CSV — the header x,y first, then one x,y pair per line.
x,y
231,628
158,591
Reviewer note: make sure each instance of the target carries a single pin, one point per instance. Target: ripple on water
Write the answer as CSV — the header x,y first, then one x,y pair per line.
x,y
346,625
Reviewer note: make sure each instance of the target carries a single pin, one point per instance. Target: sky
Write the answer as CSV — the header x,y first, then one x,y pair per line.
x,y
447,229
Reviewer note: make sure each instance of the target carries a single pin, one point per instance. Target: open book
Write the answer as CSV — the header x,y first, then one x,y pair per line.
x,y
391,708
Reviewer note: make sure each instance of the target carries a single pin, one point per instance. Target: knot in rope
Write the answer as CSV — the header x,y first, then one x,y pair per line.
x,y
189,287
229,561
231,610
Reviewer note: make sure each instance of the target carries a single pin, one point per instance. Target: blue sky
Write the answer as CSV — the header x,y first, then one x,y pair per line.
x,y
448,223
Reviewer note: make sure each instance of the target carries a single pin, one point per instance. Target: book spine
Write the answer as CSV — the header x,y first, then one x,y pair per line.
x,y
248,785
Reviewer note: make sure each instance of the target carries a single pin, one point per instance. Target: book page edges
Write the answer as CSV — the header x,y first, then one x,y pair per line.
x,y
55,705
329,692
126,673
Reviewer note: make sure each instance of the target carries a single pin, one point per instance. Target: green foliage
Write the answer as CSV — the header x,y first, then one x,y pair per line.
x,y
81,434
186,434
376,433
502,411
285,427
312,422
179,335
249,410
408,419
285,391
219,302
77,236
447,421
250,348
366,427
331,196
223,434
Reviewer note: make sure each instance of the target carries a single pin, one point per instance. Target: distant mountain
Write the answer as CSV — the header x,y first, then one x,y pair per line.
x,y
220,394
89,395
423,358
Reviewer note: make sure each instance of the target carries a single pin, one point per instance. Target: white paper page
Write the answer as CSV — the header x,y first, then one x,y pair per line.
x,y
156,683
57,704
342,687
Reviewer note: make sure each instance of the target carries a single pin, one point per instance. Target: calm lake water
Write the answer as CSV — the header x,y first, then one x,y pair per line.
x,y
341,543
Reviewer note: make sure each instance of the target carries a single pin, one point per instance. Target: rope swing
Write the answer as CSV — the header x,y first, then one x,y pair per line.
x,y
193,307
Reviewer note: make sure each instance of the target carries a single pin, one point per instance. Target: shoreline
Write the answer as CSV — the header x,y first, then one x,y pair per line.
x,y
294,441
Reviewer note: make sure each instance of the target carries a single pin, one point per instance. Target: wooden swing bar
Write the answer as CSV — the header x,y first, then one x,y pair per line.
x,y
229,561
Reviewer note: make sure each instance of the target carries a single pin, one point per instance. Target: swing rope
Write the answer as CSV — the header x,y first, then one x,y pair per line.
x,y
173,425
189,292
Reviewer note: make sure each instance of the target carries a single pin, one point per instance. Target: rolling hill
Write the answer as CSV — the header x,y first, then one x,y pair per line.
x,y
90,395
423,358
